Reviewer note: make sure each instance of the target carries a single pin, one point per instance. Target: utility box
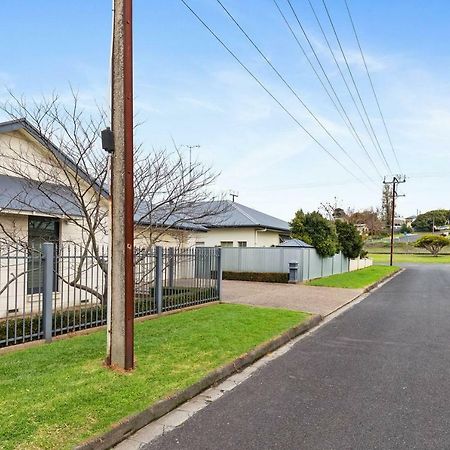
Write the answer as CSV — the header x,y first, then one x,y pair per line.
x,y
293,272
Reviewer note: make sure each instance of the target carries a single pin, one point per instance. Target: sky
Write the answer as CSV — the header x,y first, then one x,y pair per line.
x,y
189,90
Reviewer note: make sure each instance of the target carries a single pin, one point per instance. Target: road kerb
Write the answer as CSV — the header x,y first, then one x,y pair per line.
x,y
132,424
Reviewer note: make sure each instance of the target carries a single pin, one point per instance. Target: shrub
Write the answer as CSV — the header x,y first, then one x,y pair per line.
x,y
433,243
405,229
267,277
317,231
350,240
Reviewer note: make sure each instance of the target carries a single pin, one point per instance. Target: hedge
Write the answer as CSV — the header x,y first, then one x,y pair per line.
x,y
267,277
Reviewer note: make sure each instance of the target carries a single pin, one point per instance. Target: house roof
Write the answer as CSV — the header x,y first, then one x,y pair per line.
x,y
30,196
19,194
235,215
164,219
23,125
295,243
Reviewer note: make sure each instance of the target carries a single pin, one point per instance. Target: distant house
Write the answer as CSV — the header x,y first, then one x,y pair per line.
x,y
409,220
240,226
398,223
362,228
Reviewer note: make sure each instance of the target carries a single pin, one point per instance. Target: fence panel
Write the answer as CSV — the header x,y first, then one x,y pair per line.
x,y
20,300
264,259
277,259
189,277
80,294
76,287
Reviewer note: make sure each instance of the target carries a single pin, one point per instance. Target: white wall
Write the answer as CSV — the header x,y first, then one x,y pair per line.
x,y
254,237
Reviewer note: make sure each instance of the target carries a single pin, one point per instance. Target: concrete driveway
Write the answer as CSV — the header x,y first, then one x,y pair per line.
x,y
313,299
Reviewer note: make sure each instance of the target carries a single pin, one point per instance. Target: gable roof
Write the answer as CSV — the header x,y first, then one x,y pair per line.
x,y
235,215
22,124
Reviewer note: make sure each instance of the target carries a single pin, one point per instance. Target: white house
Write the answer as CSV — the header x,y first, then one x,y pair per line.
x,y
240,226
39,203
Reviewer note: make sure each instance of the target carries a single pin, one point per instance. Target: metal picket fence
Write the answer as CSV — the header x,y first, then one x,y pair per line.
x,y
52,291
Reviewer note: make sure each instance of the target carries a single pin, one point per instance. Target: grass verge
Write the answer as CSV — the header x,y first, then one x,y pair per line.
x,y
55,396
357,279
408,258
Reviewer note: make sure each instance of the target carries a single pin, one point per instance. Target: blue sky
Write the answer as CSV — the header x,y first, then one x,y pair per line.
x,y
187,87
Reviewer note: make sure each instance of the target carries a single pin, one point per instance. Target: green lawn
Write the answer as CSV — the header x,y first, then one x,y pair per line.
x,y
426,258
54,396
357,279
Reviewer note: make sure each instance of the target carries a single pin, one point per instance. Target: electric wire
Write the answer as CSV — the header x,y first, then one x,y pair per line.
x,y
286,83
354,84
260,83
346,119
319,23
372,85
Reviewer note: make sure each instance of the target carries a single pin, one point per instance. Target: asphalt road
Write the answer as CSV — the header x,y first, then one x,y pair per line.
x,y
376,377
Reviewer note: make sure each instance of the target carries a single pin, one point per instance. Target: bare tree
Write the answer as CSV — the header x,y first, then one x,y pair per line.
x,y
72,182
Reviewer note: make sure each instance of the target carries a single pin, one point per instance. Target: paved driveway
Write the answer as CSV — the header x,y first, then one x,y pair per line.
x,y
314,299
375,377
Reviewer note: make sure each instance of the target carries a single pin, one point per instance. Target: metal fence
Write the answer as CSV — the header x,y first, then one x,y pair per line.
x,y
54,291
276,259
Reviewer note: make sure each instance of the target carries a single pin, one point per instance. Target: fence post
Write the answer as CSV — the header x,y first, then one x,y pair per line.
x,y
171,255
219,272
48,250
158,278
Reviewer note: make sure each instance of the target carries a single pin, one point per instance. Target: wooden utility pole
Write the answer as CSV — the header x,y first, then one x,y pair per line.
x,y
395,181
121,279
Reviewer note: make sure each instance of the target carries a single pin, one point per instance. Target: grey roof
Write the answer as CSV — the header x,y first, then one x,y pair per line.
x,y
19,194
29,196
166,219
237,215
295,243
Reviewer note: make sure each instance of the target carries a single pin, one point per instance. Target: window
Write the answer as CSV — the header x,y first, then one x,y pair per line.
x,y
40,230
226,243
200,244
242,243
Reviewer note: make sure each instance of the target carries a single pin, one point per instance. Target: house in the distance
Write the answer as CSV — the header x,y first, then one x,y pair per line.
x,y
240,226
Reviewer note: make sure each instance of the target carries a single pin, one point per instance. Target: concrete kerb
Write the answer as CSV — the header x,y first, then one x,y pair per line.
x,y
132,424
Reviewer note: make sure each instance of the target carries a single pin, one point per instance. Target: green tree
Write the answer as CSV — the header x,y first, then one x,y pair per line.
x,y
317,231
433,243
350,241
405,228
424,222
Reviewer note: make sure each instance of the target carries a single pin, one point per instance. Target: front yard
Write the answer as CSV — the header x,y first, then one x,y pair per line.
x,y
55,396
358,279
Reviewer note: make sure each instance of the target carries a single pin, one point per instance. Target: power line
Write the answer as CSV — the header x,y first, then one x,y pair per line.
x,y
291,88
319,23
371,84
354,84
349,124
267,90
